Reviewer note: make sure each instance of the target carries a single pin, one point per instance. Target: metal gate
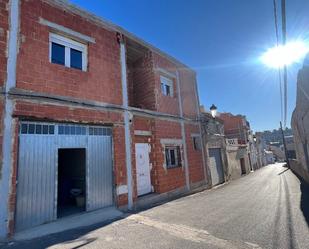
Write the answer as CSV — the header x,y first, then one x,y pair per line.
x,y
38,167
216,166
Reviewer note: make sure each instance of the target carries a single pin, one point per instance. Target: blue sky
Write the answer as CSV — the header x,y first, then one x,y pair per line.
x,y
222,40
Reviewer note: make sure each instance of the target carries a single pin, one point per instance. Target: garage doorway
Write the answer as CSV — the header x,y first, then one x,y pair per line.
x,y
71,181
216,166
242,166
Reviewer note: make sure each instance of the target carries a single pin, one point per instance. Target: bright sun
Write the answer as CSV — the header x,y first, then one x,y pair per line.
x,y
280,56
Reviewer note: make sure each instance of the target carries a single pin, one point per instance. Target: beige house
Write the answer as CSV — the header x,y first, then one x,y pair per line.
x,y
300,123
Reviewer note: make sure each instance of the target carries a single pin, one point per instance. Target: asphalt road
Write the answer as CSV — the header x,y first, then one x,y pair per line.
x,y
266,209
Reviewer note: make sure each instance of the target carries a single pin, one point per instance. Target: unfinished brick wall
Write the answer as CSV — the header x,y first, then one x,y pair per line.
x,y
166,104
188,94
166,179
130,82
234,126
101,82
13,189
195,157
3,39
57,113
142,83
120,171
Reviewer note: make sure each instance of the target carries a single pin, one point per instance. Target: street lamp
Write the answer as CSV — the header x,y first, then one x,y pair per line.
x,y
213,110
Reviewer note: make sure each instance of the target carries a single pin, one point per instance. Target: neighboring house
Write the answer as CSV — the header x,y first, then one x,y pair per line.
x,y
237,127
270,158
92,116
273,140
237,157
278,151
215,148
290,147
300,122
253,154
261,147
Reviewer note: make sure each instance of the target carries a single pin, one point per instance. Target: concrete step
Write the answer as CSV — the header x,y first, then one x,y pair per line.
x,y
71,222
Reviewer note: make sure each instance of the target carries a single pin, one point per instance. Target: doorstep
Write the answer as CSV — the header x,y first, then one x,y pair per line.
x,y
68,223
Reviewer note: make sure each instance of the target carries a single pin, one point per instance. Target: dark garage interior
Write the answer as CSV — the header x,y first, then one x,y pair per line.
x,y
71,181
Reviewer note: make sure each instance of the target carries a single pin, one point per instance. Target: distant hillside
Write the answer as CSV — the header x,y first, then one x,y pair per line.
x,y
275,136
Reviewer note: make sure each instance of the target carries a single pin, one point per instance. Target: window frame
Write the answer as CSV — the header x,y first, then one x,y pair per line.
x,y
177,155
165,81
68,44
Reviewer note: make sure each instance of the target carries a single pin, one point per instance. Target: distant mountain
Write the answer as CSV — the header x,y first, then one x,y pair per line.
x,y
275,136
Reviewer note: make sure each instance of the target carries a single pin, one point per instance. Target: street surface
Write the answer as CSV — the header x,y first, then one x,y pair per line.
x,y
266,209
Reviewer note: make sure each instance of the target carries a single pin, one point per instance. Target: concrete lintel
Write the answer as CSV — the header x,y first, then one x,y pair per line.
x,y
25,95
165,72
142,133
66,31
195,135
172,141
28,95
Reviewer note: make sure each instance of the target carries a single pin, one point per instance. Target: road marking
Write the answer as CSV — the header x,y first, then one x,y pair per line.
x,y
190,233
253,245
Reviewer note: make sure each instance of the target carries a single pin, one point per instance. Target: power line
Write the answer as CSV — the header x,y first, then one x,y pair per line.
x,y
279,71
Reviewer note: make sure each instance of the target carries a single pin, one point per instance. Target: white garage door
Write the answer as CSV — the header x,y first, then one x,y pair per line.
x,y
37,168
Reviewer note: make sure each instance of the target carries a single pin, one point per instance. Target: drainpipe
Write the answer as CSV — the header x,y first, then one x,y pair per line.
x,y
8,130
127,121
183,132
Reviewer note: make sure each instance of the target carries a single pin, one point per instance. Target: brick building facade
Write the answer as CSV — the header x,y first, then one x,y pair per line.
x,y
74,83
237,132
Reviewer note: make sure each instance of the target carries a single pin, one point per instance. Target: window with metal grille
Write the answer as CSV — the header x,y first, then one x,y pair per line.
x,y
99,131
172,157
40,129
71,130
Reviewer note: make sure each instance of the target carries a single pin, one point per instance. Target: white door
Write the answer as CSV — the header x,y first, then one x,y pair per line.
x,y
142,168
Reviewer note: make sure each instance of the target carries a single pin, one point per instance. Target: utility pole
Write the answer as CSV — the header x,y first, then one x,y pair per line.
x,y
285,73
284,145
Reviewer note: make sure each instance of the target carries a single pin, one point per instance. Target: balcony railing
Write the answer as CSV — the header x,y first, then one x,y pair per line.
x,y
232,142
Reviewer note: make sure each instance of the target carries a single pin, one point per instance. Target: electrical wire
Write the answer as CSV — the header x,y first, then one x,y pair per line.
x,y
279,70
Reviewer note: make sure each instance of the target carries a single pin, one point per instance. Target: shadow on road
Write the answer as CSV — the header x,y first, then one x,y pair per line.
x,y
282,172
304,202
76,238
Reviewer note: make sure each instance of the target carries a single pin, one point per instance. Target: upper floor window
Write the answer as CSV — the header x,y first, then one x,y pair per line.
x,y
67,52
167,86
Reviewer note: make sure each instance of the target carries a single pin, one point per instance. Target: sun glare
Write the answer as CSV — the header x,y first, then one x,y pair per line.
x,y
280,56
